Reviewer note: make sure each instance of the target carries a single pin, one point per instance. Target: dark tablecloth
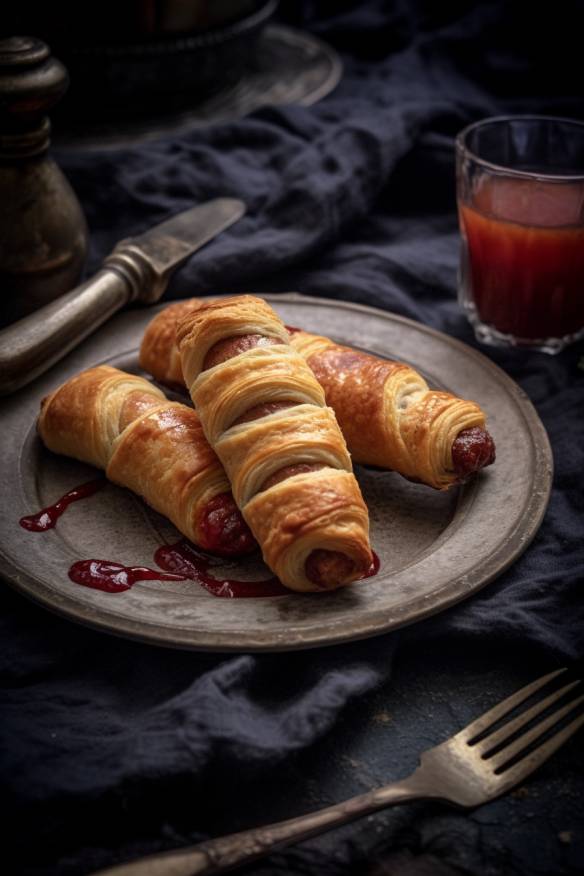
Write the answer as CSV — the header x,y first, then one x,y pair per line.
x,y
111,749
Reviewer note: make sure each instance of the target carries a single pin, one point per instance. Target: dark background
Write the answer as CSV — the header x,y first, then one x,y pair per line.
x,y
112,749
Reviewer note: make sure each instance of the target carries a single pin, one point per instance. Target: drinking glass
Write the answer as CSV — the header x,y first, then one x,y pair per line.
x,y
520,191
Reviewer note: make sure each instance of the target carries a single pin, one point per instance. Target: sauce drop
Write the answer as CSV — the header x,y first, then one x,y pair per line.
x,y
113,577
47,517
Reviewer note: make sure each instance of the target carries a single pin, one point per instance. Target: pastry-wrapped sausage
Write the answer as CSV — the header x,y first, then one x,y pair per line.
x,y
265,415
389,416
123,424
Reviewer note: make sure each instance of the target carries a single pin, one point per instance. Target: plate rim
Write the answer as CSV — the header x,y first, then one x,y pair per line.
x,y
452,592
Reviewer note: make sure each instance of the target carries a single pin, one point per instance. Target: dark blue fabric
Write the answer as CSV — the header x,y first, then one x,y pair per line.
x,y
111,748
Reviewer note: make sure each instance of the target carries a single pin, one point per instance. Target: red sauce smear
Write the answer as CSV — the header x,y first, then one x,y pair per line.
x,y
291,329
113,577
47,518
181,561
184,559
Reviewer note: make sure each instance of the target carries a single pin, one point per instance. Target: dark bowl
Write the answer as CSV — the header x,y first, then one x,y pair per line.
x,y
159,73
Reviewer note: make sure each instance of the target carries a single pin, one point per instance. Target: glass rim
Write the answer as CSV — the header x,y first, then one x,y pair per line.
x,y
462,147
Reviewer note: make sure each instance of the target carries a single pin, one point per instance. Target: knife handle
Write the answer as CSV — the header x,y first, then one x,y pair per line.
x,y
139,268
30,346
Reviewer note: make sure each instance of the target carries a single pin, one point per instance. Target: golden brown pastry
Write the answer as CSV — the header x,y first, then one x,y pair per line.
x,y
266,417
387,413
123,424
392,419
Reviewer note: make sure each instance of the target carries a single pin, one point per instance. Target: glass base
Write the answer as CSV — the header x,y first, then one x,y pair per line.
x,y
488,334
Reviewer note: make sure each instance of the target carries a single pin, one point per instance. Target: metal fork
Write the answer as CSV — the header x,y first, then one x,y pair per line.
x,y
471,768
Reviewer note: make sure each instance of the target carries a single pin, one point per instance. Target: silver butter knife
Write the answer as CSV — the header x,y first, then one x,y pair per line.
x,y
138,269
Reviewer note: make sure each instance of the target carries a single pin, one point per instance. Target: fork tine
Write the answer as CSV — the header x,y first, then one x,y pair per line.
x,y
493,740
519,771
504,756
470,732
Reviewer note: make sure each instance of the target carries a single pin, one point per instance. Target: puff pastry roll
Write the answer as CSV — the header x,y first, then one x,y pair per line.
x,y
123,424
266,417
392,419
389,416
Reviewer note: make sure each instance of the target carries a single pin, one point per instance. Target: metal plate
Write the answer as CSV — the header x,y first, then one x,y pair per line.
x,y
435,548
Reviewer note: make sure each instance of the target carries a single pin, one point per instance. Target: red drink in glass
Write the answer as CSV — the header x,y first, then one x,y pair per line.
x,y
526,257
522,270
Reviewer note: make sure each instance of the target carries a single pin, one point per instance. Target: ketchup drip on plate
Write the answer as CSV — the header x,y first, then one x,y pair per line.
x,y
181,561
184,559
47,517
113,577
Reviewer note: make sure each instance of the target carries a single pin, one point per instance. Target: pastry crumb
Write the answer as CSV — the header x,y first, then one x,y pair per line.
x,y
382,718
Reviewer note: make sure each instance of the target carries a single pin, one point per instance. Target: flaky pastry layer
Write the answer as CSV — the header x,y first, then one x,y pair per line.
x,y
387,412
123,424
316,511
388,415
312,511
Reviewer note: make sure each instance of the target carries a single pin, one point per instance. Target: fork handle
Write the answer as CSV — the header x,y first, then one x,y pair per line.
x,y
223,853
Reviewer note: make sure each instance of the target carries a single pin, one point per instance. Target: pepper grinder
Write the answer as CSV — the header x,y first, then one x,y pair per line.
x,y
43,233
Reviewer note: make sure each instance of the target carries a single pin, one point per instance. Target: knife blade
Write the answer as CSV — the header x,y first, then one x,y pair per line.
x,y
167,245
138,269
